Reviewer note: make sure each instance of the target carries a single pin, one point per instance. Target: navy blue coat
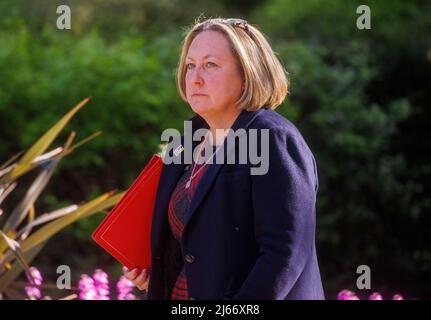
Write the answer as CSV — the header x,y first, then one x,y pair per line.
x,y
245,236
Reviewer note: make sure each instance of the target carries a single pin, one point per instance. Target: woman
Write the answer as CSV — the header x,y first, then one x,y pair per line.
x,y
218,231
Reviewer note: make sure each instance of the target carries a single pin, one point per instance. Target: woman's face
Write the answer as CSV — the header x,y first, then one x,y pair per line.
x,y
213,80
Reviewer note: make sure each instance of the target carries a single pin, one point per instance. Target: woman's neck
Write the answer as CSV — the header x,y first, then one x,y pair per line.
x,y
219,126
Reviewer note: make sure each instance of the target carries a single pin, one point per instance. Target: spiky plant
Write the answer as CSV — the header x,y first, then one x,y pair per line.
x,y
23,232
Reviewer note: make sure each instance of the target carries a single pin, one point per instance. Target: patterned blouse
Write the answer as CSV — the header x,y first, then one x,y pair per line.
x,y
179,205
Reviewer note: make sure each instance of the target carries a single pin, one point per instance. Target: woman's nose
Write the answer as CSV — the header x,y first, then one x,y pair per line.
x,y
197,76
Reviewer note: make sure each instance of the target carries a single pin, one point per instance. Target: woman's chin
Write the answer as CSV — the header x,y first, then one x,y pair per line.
x,y
200,108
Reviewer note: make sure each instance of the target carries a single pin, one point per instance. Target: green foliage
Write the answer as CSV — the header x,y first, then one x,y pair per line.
x,y
131,81
355,93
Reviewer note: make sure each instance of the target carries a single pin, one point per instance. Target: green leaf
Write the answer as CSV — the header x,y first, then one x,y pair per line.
x,y
16,251
20,212
44,142
96,205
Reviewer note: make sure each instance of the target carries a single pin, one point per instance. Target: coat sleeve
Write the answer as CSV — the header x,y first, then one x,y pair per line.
x,y
284,217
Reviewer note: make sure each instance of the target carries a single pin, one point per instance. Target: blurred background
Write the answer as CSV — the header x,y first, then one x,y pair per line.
x,y
361,98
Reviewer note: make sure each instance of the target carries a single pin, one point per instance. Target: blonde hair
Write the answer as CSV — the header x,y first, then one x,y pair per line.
x,y
265,80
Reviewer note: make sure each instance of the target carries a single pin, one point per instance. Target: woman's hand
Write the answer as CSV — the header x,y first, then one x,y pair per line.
x,y
140,280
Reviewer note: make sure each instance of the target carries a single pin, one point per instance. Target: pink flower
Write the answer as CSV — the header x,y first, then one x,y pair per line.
x,y
350,295
347,295
33,293
124,289
97,287
101,283
88,295
375,296
87,290
100,277
35,277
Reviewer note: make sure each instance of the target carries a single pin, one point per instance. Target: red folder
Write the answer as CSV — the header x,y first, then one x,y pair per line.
x,y
125,232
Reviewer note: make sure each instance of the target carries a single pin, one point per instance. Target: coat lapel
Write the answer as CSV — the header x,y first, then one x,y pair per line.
x,y
169,177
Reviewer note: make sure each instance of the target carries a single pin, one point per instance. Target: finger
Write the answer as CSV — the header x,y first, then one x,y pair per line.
x,y
144,286
131,275
146,282
142,280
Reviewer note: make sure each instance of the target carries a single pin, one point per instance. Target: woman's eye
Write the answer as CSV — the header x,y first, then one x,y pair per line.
x,y
190,66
